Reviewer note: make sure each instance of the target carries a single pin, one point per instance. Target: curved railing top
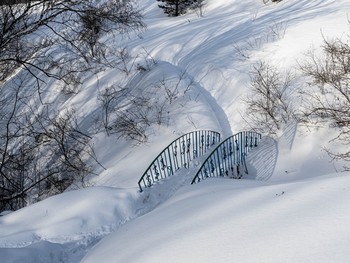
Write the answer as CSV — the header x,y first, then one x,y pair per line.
x,y
228,157
178,154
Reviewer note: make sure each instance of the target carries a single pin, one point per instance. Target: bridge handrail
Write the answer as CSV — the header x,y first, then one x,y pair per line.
x,y
229,156
178,154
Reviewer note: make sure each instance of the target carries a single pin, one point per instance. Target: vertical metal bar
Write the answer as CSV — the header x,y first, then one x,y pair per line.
x,y
164,165
172,155
184,150
226,160
139,183
208,170
156,170
217,161
231,156
202,174
176,155
248,141
197,144
155,165
207,141
146,182
251,141
191,146
183,158
187,148
245,166
240,145
236,149
218,167
223,158
151,176
171,164
160,174
202,143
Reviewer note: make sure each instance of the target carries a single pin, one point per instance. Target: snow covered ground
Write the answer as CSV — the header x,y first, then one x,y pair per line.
x,y
222,220
294,208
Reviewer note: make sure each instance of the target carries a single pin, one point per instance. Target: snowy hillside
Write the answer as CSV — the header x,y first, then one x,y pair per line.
x,y
292,207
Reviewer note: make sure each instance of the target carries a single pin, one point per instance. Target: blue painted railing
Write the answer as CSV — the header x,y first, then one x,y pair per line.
x,y
178,154
228,158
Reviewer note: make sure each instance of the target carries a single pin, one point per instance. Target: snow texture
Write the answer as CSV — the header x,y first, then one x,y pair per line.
x,y
291,207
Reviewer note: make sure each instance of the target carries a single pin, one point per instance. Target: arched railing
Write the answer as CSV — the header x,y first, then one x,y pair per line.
x,y
228,158
178,154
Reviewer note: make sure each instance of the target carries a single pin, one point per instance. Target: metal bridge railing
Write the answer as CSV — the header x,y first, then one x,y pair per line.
x,y
228,158
178,154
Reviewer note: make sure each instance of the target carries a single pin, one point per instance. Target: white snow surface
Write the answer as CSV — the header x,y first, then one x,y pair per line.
x,y
292,207
246,221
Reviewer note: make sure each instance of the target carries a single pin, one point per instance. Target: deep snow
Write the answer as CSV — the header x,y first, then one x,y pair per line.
x,y
222,220
292,207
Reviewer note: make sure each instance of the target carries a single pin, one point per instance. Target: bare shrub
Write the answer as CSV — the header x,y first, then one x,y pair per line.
x,y
327,100
109,98
33,31
274,32
199,7
131,116
268,105
173,91
41,152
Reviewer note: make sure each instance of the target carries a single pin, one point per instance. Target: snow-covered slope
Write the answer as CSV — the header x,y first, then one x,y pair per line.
x,y
239,221
285,212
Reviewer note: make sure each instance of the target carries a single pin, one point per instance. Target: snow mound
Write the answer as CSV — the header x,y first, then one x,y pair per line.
x,y
222,220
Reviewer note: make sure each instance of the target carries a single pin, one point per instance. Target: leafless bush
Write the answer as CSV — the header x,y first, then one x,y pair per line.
x,y
268,105
148,62
275,32
91,30
32,33
329,103
125,61
109,98
41,152
199,7
172,92
131,125
130,116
